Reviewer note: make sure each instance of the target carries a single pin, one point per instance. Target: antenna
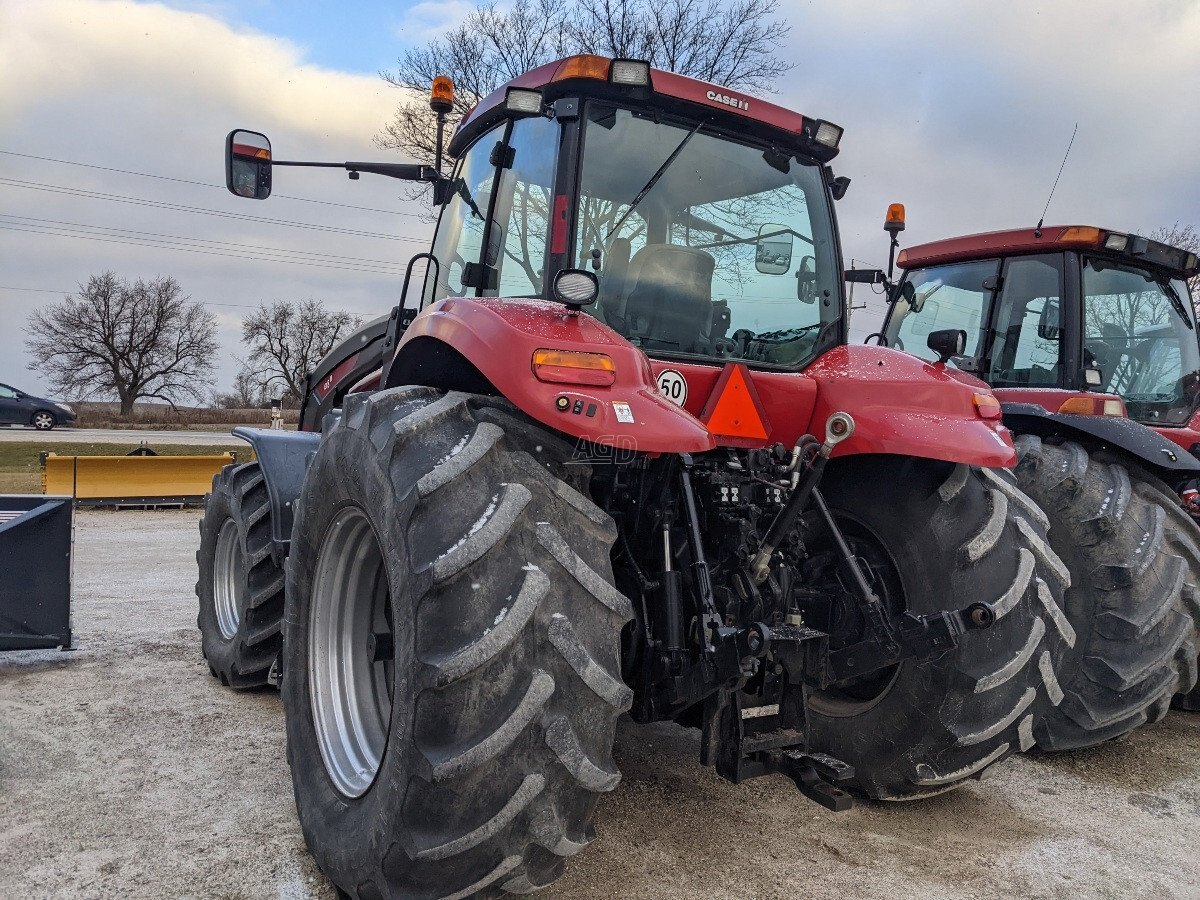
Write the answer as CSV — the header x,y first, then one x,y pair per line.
x,y
1037,232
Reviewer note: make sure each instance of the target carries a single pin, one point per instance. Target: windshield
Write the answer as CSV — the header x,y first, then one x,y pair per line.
x,y
952,296
1139,330
707,248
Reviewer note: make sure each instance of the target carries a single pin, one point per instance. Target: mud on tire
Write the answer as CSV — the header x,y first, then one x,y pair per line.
x,y
1134,645
955,535
241,584
503,692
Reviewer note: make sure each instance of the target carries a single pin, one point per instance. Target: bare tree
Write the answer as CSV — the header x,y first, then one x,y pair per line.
x,y
1185,237
246,394
140,340
286,341
729,42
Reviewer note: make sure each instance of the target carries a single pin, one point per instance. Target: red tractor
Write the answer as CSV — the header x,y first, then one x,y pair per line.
x,y
1088,338
616,457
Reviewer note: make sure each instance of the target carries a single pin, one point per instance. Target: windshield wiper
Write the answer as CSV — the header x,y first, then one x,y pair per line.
x,y
1177,304
649,186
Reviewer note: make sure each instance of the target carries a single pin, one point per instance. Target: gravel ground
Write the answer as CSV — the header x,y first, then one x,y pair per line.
x,y
126,771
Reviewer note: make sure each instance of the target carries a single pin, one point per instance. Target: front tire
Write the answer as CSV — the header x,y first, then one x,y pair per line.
x,y
241,584
1134,647
43,420
452,650
944,537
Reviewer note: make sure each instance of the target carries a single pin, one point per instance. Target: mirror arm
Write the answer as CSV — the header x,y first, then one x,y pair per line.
x,y
403,171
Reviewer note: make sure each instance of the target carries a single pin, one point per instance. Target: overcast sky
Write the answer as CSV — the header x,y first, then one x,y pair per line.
x,y
961,110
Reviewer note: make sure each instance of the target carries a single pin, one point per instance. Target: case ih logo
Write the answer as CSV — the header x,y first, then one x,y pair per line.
x,y
735,102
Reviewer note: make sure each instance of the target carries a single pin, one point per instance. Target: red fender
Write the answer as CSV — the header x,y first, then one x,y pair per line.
x,y
499,338
902,404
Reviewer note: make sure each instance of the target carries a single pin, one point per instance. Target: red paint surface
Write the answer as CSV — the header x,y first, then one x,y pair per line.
x,y
500,336
667,83
330,381
1186,436
900,403
558,227
904,406
987,244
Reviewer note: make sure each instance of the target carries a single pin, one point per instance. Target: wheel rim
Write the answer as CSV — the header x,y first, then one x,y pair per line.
x,y
350,668
227,569
42,420
857,695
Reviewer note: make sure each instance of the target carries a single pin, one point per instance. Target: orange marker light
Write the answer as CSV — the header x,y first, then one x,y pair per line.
x,y
1093,406
441,95
987,406
574,367
1079,234
894,220
585,66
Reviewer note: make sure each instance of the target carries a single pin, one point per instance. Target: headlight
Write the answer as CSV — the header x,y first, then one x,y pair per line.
x,y
66,407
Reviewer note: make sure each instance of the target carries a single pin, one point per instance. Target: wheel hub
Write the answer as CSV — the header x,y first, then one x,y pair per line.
x,y
350,653
227,570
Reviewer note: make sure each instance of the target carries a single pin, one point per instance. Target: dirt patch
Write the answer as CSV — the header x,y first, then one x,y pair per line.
x,y
127,771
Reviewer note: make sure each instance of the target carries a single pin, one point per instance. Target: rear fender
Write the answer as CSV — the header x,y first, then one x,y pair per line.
x,y
1165,458
904,405
487,345
283,457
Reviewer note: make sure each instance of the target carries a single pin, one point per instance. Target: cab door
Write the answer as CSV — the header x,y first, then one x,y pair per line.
x,y
1027,325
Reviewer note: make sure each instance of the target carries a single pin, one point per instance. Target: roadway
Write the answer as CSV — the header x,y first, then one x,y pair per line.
x,y
115,436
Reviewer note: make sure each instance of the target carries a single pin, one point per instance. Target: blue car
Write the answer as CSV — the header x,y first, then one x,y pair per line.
x,y
19,408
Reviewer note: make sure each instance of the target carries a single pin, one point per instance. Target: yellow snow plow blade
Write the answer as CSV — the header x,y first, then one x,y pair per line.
x,y
132,480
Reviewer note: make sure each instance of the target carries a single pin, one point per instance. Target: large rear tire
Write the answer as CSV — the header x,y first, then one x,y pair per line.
x,y
937,537
241,583
452,649
1134,644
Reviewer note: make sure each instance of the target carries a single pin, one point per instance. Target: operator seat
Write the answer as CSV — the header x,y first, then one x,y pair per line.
x,y
613,284
670,304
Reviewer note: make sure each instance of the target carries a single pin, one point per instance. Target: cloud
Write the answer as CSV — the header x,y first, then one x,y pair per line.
x,y
963,111
147,88
960,110
428,21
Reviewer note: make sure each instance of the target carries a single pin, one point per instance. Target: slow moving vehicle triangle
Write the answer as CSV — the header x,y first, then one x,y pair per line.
x,y
733,410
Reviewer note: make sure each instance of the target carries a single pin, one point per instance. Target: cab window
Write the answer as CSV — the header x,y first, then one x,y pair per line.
x,y
1140,332
459,238
949,296
1026,351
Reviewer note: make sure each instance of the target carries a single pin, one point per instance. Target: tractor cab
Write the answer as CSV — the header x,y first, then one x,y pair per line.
x,y
1070,308
706,218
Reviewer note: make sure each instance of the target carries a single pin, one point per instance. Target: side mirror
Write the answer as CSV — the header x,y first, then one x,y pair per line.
x,y
947,342
773,250
1048,322
248,164
806,280
865,276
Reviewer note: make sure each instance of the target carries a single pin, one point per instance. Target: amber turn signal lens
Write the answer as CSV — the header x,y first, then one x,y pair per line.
x,y
1080,234
574,367
987,406
585,66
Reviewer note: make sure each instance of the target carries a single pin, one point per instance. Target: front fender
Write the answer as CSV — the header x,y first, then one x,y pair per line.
x,y
1165,458
498,338
904,405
